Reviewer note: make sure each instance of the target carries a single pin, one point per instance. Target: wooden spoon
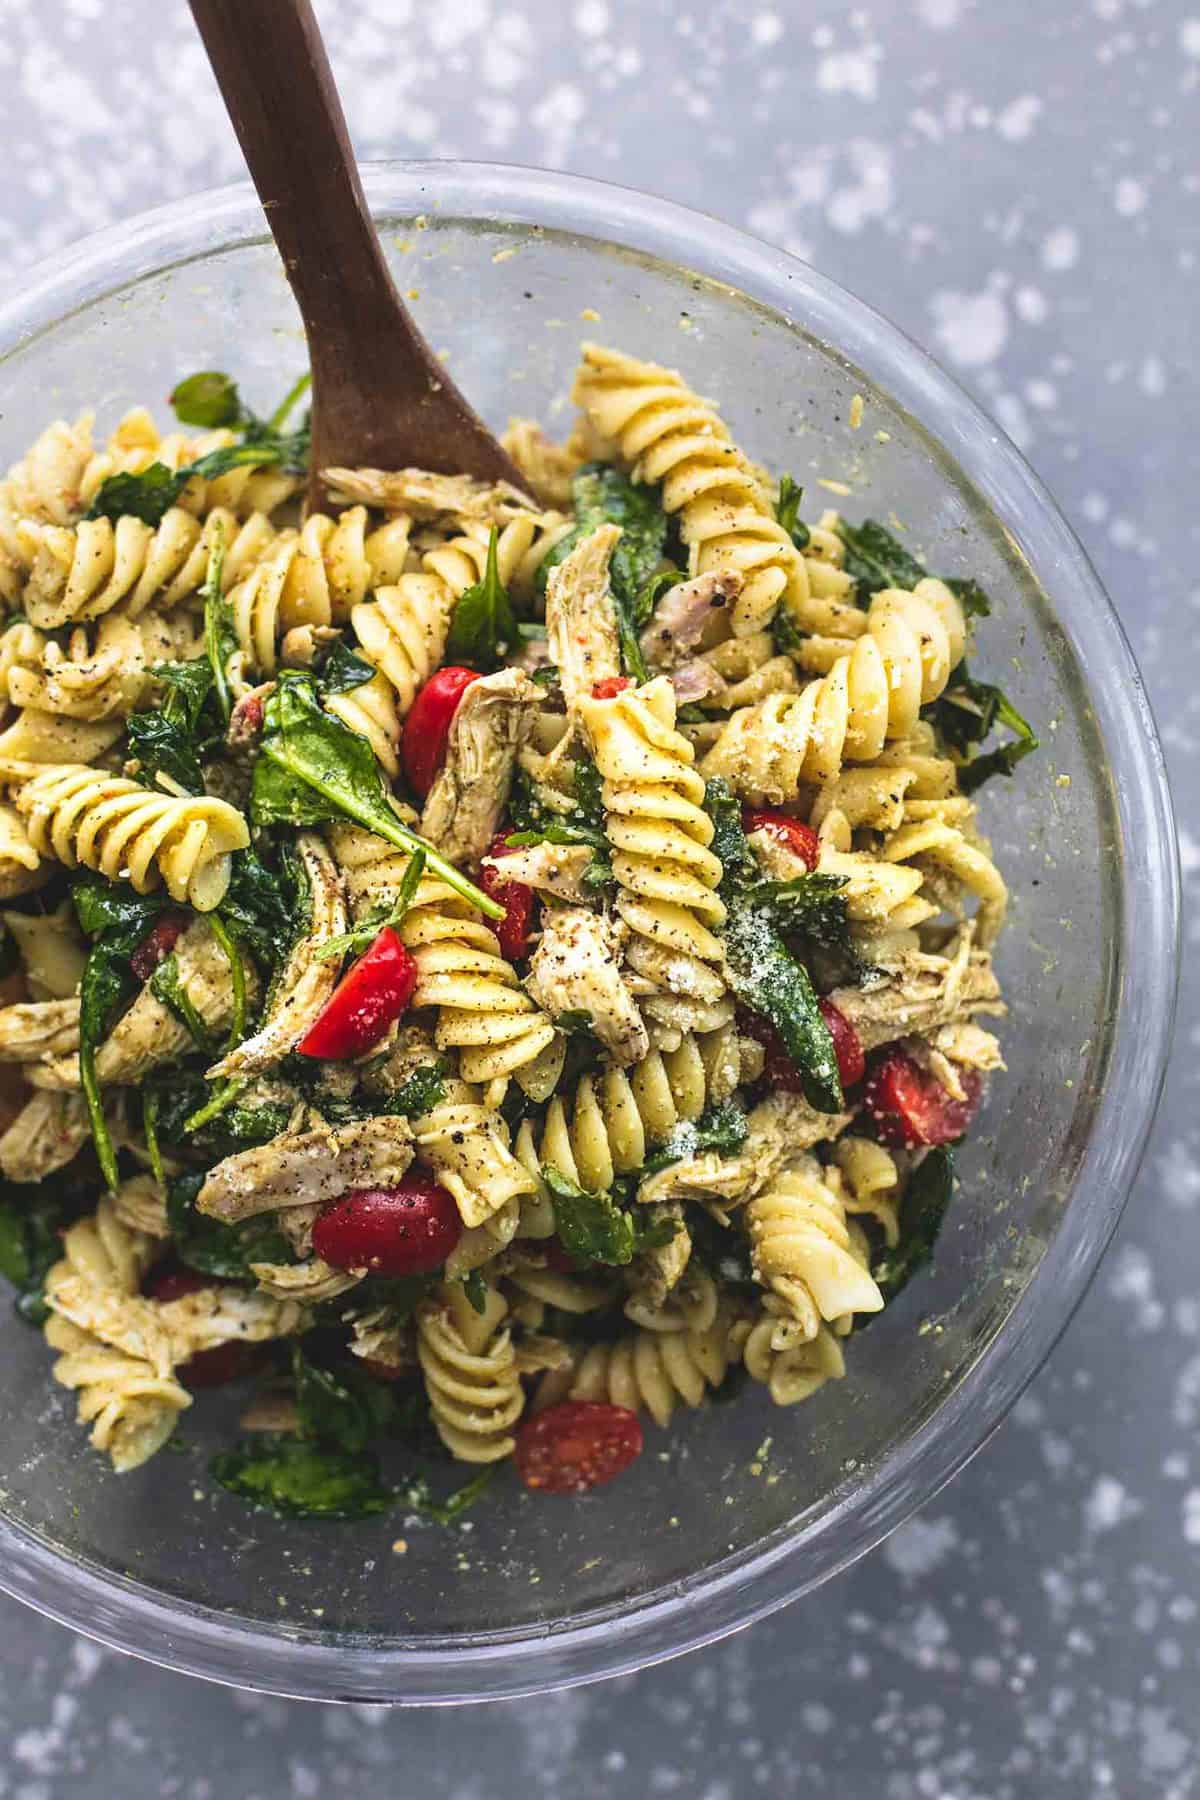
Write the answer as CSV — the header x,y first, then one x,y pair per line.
x,y
381,398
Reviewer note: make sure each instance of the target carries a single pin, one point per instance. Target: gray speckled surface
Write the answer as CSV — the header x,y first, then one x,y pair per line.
x,y
1017,185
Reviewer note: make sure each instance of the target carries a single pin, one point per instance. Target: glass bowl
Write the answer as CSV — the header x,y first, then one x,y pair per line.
x,y
741,1507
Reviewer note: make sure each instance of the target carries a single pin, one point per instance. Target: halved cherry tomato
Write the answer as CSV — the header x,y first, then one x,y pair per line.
x,y
407,1229
172,1283
427,727
364,1003
516,899
910,1108
576,1445
793,834
157,944
610,687
223,1363
847,1045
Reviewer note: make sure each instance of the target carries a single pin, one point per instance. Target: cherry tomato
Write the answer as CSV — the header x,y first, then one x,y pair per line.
x,y
909,1107
793,834
427,727
222,1364
516,899
408,1229
384,1371
173,1282
610,687
847,1046
576,1445
157,944
369,998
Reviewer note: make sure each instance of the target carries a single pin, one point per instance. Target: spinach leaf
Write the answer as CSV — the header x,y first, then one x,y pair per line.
x,y
602,495
311,768
209,399
763,973
811,905
592,1228
213,1247
966,714
102,905
150,494
538,823
266,910
876,559
723,1127
169,990
343,670
725,1252
164,740
922,1212
424,1089
971,597
297,1479
575,1022
786,635
417,1496
475,1288
483,626
787,511
31,1218
347,1409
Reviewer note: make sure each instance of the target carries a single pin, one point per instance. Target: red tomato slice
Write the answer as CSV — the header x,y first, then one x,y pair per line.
x,y
407,1229
427,727
610,687
173,1283
222,1364
516,899
847,1046
157,944
910,1108
364,1003
576,1445
793,834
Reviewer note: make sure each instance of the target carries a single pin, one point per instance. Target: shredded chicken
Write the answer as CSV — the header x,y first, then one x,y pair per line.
x,y
581,619
654,1274
307,980
779,1128
452,498
303,1167
466,800
577,967
922,993
686,615
697,680
39,1029
149,1034
556,869
47,1134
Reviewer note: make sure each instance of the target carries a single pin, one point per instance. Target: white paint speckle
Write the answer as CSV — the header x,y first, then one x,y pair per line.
x,y
1060,249
766,29
1108,1505
1191,1516
1129,197
972,329
850,72
1017,120
1030,305
939,15
1189,37
592,18
917,1548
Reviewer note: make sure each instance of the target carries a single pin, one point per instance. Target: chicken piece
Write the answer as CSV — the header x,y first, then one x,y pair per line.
x,y
307,1281
697,680
305,1167
922,993
307,980
454,499
39,1029
779,1127
655,1273
224,1314
149,1034
47,1134
577,967
556,869
493,720
581,618
52,951
385,1336
687,614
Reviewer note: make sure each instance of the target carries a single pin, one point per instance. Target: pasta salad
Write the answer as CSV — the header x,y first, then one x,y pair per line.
x,y
484,967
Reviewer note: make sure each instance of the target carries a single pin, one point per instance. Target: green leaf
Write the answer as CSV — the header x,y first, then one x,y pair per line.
x,y
966,714
786,635
475,1288
347,1409
971,597
603,495
343,670
651,592
170,992
723,1128
208,399
729,842
811,905
31,1218
539,823
787,511
296,1479
767,978
148,495
575,1022
312,768
876,559
424,1089
592,1228
416,1495
237,978
922,1213
101,905
211,1246
483,626
264,909
725,1252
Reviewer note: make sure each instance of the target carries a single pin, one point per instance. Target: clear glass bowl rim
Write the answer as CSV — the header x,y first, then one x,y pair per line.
x,y
720,1599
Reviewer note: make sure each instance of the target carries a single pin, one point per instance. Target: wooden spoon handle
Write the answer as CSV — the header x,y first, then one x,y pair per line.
x,y
380,396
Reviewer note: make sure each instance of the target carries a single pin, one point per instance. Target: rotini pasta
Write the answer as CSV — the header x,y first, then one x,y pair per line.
x,y
803,1252
470,1371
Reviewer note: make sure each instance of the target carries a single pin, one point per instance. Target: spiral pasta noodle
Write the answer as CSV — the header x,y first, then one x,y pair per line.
x,y
667,876
802,1250
647,1371
929,832
870,1181
471,1376
791,1368
105,679
81,815
483,1013
402,633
